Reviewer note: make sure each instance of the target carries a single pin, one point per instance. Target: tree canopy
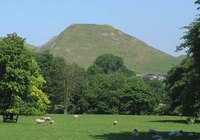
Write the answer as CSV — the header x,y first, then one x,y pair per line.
x,y
108,63
52,70
183,80
20,79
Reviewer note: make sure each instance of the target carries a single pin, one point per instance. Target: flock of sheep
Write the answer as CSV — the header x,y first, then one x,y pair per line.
x,y
173,134
153,134
48,119
44,119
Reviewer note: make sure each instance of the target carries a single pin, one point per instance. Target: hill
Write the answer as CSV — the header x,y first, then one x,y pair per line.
x,y
82,43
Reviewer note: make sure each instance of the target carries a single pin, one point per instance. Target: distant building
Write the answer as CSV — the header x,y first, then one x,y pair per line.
x,y
152,76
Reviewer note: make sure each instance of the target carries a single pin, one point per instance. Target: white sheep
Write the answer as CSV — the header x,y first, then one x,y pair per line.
x,y
172,133
135,133
192,134
115,123
76,116
51,121
156,136
40,121
47,118
163,139
176,133
152,132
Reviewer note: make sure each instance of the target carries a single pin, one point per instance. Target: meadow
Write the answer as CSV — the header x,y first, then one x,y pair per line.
x,y
95,127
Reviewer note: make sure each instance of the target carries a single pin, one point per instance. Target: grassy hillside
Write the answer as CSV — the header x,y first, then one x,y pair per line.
x,y
82,43
96,127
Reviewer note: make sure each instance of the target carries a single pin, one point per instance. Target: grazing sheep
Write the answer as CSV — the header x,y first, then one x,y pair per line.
x,y
135,133
115,123
40,121
180,133
176,133
191,134
47,118
76,116
156,136
51,121
152,132
163,139
172,133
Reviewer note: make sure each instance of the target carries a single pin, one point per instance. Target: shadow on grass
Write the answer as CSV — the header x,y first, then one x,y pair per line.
x,y
175,121
143,136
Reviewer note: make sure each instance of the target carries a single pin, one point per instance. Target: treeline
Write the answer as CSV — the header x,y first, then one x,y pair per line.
x,y
106,87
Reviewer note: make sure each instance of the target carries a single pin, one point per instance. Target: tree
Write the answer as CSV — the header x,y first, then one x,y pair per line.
x,y
161,96
20,80
102,92
177,80
108,63
113,89
183,80
137,98
52,70
73,77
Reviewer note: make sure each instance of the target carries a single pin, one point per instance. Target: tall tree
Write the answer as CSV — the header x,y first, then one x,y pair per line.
x,y
52,69
184,86
73,76
102,92
20,80
137,97
177,81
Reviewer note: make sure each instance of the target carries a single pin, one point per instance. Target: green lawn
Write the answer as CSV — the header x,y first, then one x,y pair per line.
x,y
94,127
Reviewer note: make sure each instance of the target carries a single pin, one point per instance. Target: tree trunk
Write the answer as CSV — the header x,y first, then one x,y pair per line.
x,y
65,110
66,102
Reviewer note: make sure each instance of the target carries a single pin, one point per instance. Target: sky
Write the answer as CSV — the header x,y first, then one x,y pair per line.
x,y
156,22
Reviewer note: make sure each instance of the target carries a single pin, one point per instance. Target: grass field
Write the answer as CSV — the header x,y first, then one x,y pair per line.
x,y
94,127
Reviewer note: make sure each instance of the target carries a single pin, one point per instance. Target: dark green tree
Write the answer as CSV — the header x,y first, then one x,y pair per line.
x,y
162,98
183,80
102,92
176,81
20,80
137,97
52,70
108,63
73,78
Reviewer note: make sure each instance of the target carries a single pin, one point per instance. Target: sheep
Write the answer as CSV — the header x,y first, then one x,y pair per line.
x,y
76,116
135,133
152,132
156,136
47,118
115,123
191,134
40,121
52,122
176,133
163,139
172,133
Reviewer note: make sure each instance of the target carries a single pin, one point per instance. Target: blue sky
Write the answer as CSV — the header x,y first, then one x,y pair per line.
x,y
156,22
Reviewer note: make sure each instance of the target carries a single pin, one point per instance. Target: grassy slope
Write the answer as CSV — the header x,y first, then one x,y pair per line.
x,y
82,43
94,127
